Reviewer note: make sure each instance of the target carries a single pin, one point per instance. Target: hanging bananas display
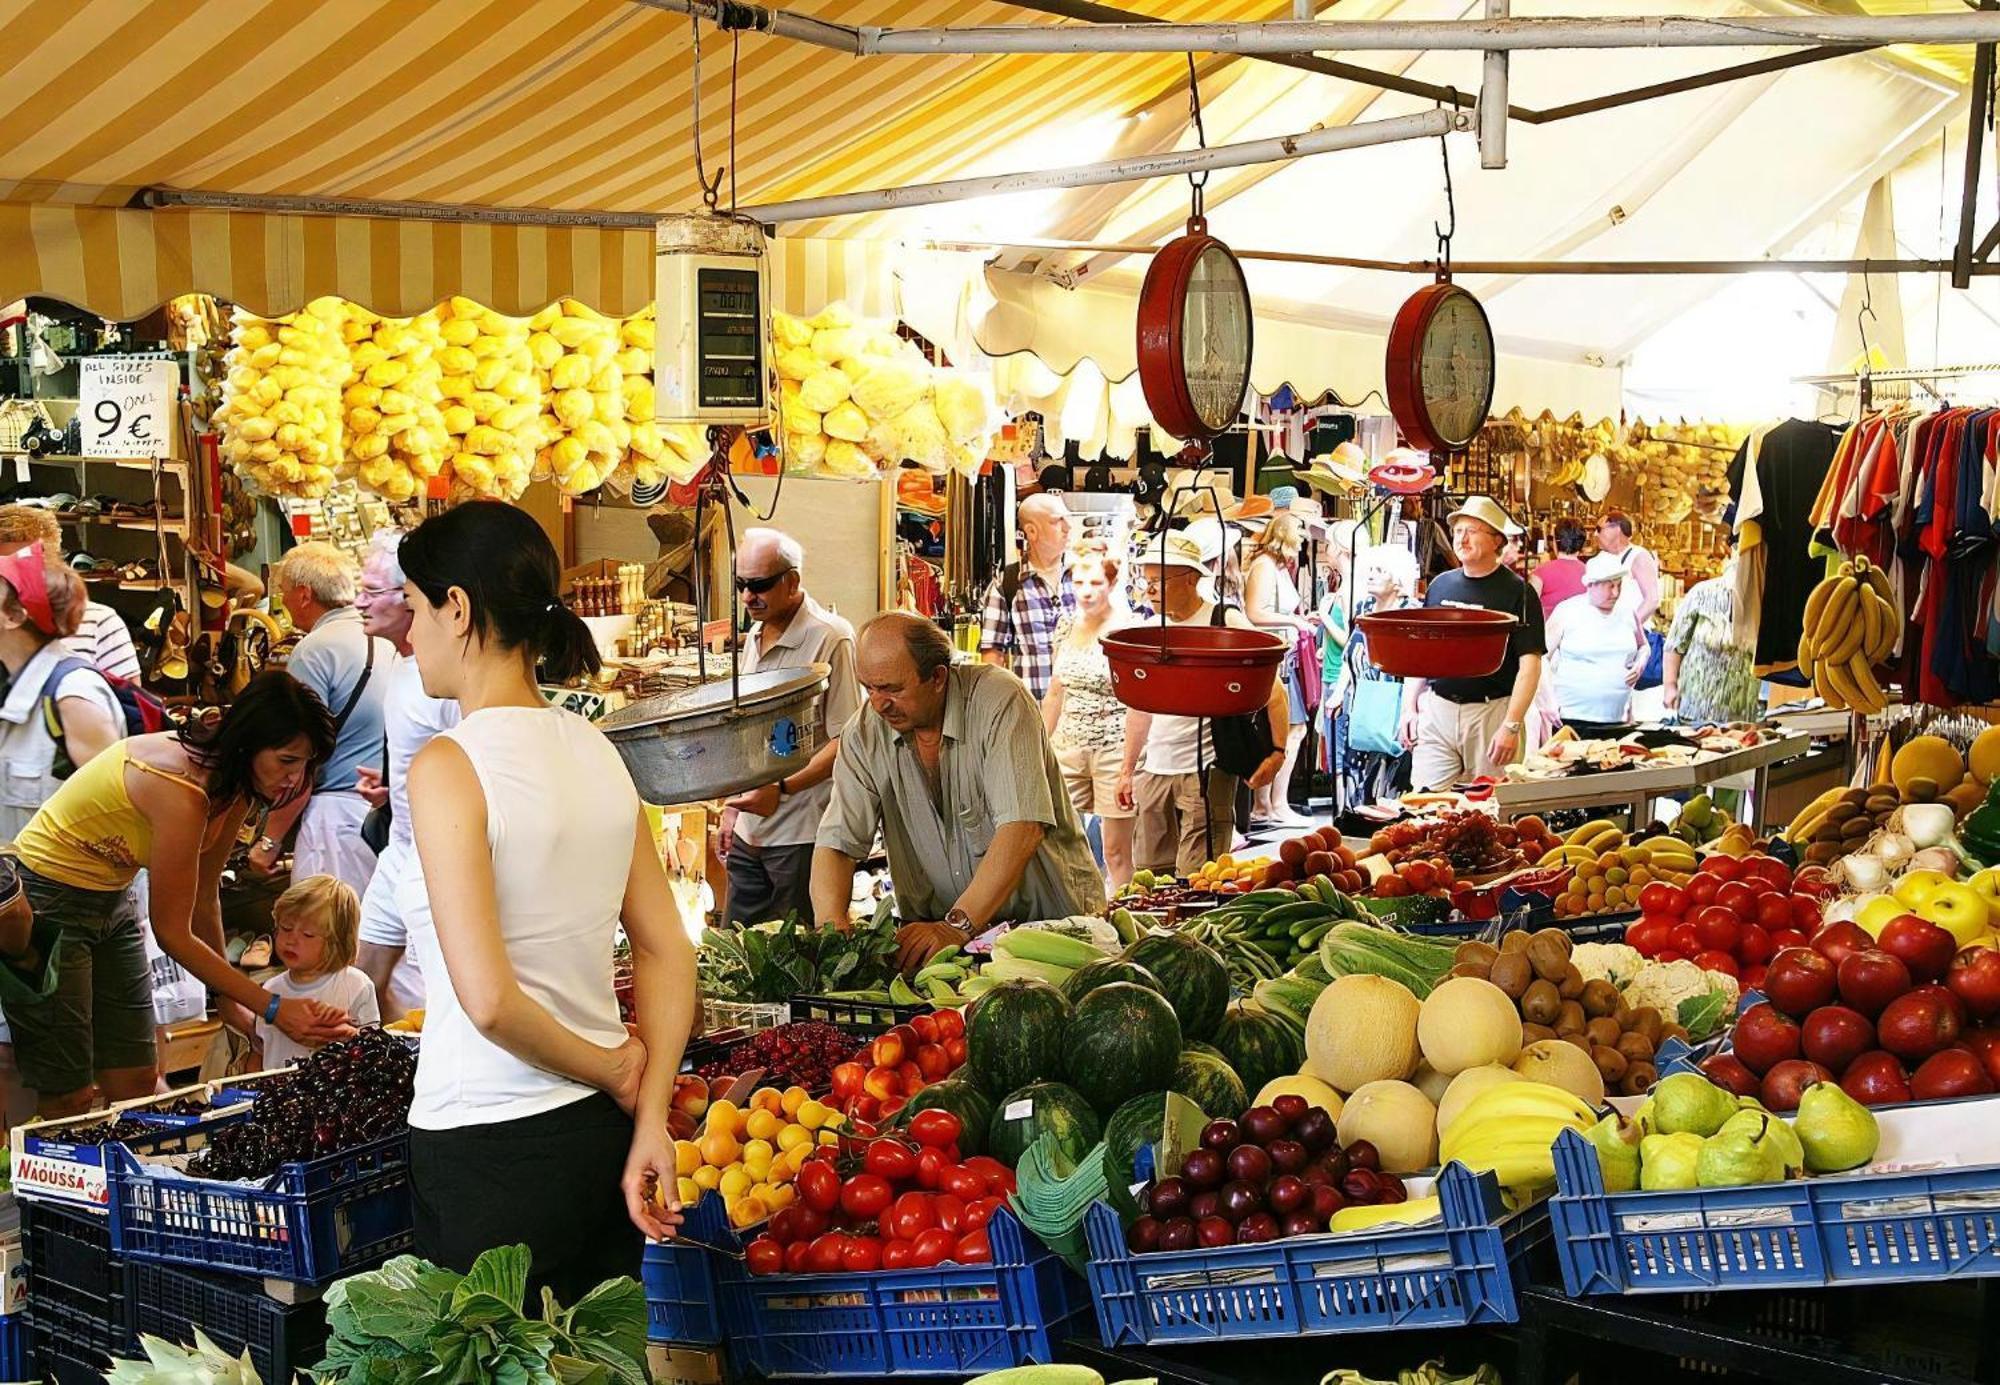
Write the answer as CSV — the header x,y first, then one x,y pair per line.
x,y
1852,624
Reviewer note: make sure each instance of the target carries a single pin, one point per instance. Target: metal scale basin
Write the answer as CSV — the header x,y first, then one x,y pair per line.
x,y
700,743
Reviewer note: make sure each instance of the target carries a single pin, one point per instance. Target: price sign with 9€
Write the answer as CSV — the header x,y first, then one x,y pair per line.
x,y
126,406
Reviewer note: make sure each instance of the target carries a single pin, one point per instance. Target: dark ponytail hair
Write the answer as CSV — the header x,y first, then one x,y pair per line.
x,y
507,568
273,710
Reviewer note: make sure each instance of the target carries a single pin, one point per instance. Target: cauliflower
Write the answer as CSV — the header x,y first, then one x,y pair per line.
x,y
1613,962
1699,1001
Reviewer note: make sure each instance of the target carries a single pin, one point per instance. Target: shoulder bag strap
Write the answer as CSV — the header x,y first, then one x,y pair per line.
x,y
361,683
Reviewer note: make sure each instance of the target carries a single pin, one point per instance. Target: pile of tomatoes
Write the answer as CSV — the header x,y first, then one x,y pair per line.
x,y
887,1202
1734,915
897,1065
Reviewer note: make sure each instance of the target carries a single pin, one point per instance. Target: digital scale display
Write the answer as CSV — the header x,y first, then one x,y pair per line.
x,y
729,338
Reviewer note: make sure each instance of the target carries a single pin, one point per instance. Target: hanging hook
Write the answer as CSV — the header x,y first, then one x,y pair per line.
x,y
1197,181
711,189
1446,232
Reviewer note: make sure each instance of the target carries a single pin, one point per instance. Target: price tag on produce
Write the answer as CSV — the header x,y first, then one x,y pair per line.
x,y
126,406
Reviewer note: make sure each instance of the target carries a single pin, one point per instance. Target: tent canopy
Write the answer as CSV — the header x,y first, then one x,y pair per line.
x,y
589,104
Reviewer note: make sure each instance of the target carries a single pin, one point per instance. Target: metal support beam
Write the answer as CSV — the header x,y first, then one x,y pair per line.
x,y
1975,146
764,19
1493,99
1423,125
1476,35
394,211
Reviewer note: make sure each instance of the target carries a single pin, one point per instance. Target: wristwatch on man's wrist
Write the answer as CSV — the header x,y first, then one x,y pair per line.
x,y
1514,727
265,844
962,921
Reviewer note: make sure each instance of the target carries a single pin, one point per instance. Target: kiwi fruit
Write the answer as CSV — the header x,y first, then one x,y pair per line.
x,y
1475,952
1516,941
1535,1033
1599,997
1540,1004
1845,809
1479,971
1569,1019
1636,1047
1511,972
1603,1032
1547,956
1646,1020
1638,1080
1570,983
1611,1064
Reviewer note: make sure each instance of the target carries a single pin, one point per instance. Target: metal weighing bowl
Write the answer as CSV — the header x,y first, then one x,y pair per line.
x,y
700,743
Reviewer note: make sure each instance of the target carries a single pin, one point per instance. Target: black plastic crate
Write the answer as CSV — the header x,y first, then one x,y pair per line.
x,y
861,1018
71,1265
71,1348
283,1339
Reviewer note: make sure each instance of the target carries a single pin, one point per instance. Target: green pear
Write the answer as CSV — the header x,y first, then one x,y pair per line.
x,y
1688,1103
1738,1158
1643,1117
1668,1161
1617,1152
1761,1125
1836,1131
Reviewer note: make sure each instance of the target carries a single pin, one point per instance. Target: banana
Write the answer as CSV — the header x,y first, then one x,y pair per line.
x,y
1837,618
1590,831
1821,687
1885,645
1878,580
1416,1209
1844,691
1838,644
1874,616
1863,675
1816,603
1806,649
1809,816
1514,1102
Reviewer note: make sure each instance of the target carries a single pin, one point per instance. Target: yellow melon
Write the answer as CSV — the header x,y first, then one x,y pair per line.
x,y
1986,755
1927,757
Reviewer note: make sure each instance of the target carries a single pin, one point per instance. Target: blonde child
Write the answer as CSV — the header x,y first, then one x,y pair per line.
x,y
314,927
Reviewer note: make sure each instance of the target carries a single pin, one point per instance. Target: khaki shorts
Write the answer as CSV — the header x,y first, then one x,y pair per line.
x,y
1091,776
1173,828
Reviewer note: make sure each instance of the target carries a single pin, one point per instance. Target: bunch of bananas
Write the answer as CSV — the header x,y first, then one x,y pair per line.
x,y
396,439
281,413
492,400
1852,624
1511,1129
1586,843
1611,880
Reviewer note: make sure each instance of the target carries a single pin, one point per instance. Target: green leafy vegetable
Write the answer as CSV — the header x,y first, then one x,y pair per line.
x,y
411,1323
1701,1015
776,961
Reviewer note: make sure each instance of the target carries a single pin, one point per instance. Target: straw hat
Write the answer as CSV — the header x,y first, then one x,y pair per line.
x,y
1206,534
1603,568
1252,513
1178,550
1191,492
1481,508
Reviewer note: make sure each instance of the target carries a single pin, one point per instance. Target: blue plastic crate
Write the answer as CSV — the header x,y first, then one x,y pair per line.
x,y
46,1168
1462,1272
14,1347
952,1320
283,1340
680,1295
1833,1230
308,1222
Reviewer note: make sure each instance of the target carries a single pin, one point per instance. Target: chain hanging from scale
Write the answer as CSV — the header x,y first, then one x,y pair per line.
x,y
1445,232
1197,180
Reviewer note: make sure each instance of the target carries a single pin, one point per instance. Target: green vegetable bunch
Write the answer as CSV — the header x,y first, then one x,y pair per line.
x,y
776,961
411,1323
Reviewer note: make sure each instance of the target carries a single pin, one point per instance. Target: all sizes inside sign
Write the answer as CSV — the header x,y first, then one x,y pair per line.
x,y
127,406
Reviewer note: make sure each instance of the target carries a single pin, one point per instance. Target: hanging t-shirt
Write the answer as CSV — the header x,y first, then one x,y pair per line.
x,y
1791,466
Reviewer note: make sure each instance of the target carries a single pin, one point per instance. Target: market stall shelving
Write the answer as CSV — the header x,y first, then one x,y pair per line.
x,y
1640,787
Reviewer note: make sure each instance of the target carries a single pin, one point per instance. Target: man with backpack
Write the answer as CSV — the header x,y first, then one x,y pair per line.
x,y
1017,627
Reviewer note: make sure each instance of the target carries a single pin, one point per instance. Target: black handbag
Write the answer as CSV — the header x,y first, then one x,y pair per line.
x,y
1242,743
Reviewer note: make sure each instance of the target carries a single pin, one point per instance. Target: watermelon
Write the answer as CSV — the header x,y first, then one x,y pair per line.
x,y
1194,1046
1192,976
1043,1108
1133,1128
1259,1045
1015,1036
1123,1039
1211,1084
1091,975
960,1096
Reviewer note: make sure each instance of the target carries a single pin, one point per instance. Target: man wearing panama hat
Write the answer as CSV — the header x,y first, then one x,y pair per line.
x,y
1462,728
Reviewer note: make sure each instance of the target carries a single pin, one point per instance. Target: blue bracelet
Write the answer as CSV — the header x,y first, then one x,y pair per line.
x,y
271,1010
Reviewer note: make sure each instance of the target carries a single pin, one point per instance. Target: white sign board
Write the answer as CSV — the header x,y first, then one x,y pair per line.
x,y
127,406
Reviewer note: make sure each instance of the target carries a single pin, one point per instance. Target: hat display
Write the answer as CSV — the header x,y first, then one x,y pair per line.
x,y
1596,483
1252,512
1603,568
1206,534
1404,471
1488,513
1192,492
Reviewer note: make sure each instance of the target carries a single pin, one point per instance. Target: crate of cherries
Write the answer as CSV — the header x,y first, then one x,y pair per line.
x,y
1278,1171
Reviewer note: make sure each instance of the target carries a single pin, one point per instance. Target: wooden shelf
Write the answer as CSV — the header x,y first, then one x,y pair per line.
x,y
123,463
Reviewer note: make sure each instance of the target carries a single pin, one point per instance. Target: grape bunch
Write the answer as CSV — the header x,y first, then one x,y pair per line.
x,y
346,1094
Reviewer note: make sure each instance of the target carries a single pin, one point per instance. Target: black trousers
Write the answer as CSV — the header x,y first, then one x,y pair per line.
x,y
769,882
548,1181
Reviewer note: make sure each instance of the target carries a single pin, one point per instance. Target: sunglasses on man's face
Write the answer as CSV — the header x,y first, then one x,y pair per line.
x,y
759,585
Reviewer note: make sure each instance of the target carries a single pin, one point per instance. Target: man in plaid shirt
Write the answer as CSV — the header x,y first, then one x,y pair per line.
x,y
1017,628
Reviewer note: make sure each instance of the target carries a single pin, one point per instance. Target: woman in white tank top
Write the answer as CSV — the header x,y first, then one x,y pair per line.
x,y
537,1118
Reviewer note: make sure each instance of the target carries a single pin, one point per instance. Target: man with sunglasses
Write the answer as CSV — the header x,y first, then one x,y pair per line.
x,y
767,833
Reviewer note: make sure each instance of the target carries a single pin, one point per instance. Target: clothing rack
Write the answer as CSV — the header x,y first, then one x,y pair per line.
x,y
1864,381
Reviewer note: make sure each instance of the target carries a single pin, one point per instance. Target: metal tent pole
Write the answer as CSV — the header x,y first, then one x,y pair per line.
x,y
1493,99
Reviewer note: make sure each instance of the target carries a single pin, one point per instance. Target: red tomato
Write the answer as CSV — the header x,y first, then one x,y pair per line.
x,y
1771,869
825,1254
964,1183
936,1128
1685,940
1650,934
1754,946
1717,929
811,1222
955,1049
974,1248
796,1255
1671,955
1717,961
1739,899
819,1186
784,1227
926,1027
865,1196
1722,867
932,1247
893,1105
862,1253
1774,910
933,1062
1662,898
1805,913
866,1108
890,1159
910,1216
847,1079
977,1214
932,1167
1701,890
950,1212
999,1178
951,1023
764,1255
896,1255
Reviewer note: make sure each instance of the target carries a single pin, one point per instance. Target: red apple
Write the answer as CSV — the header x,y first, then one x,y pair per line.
x,y
1974,978
1766,1036
1783,1083
1986,1043
1726,1071
1870,980
1876,1079
1834,1036
1915,1026
1925,948
1799,981
1953,1072
1836,940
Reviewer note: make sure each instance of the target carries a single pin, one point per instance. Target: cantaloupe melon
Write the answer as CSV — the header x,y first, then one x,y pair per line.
x,y
1985,755
1927,757
1316,1093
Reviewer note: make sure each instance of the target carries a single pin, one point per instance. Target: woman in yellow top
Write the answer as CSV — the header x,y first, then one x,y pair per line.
x,y
76,987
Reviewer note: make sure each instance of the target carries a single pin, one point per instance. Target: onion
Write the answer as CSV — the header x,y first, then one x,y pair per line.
x,y
1843,910
1863,871
1937,858
1925,824
1891,848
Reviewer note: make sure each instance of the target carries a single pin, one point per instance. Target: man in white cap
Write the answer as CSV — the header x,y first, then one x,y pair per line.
x,y
1185,806
1462,728
1596,652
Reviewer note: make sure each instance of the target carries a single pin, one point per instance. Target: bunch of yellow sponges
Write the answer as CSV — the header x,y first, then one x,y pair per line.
x,y
396,438
492,400
280,418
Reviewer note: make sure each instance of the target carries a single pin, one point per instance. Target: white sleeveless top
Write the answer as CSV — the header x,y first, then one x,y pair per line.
x,y
561,813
